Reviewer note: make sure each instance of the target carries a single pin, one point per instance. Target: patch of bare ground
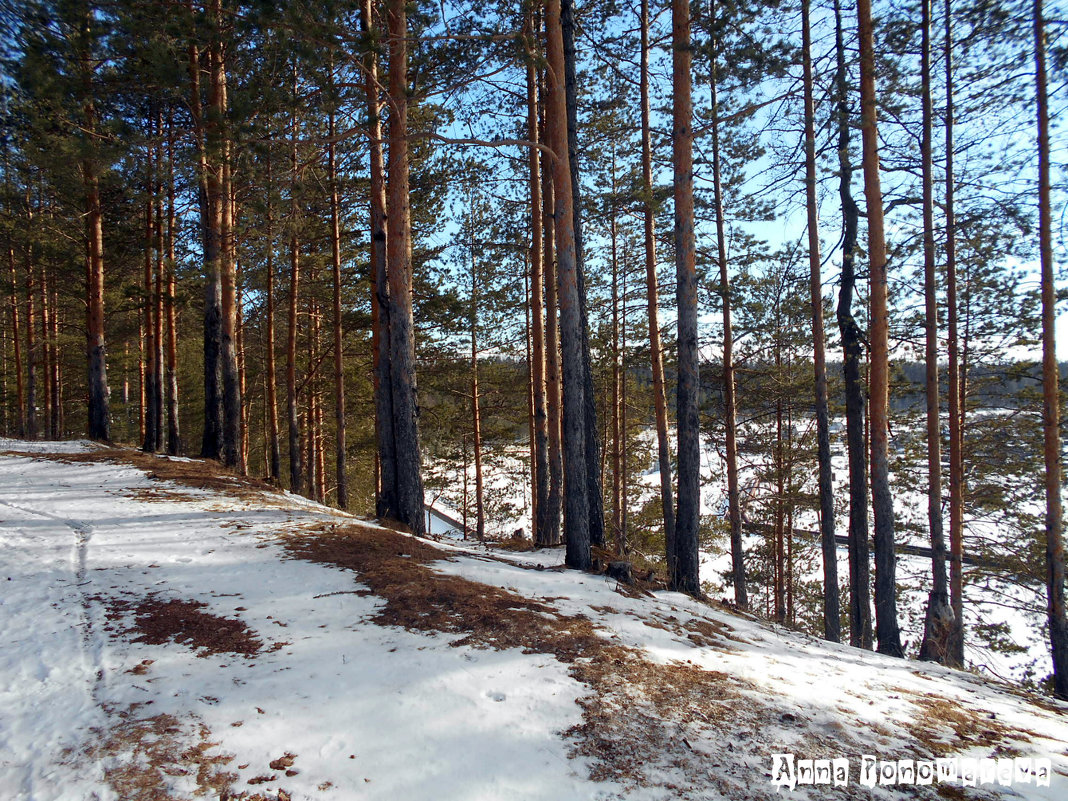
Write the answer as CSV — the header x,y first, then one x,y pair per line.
x,y
945,727
144,758
643,723
157,621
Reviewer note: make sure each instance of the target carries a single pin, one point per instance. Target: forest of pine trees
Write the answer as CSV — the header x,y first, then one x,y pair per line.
x,y
356,246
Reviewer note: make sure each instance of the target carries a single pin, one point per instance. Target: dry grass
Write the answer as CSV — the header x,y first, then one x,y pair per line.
x,y
143,756
200,474
944,727
158,622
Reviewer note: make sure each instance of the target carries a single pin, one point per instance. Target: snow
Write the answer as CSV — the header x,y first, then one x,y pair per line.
x,y
373,711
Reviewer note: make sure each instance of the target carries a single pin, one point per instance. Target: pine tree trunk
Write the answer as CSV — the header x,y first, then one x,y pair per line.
x,y
887,631
174,435
939,624
542,533
274,449
231,379
151,440
20,397
409,479
832,629
386,486
552,361
211,442
956,460
594,495
296,471
860,633
46,352
339,362
577,526
730,418
617,450
476,417
1058,624
99,416
656,353
684,570
31,341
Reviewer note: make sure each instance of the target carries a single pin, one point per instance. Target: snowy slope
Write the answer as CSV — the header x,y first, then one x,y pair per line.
x,y
168,636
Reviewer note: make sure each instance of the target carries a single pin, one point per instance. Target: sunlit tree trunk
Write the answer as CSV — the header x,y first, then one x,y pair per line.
x,y
577,530
886,626
542,533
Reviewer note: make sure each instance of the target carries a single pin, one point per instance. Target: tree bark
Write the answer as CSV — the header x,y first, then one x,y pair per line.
x,y
20,399
860,633
542,533
552,360
832,629
296,470
1058,625
577,526
684,569
274,449
956,455
886,626
231,379
339,362
174,436
152,438
31,337
939,624
656,353
211,442
409,479
730,414
476,417
594,494
386,495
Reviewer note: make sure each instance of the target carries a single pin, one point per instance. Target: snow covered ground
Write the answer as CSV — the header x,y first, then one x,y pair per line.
x,y
166,633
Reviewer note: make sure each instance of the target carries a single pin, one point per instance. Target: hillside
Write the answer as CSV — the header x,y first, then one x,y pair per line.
x,y
169,632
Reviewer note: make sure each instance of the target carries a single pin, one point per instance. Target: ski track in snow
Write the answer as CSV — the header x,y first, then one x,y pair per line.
x,y
370,712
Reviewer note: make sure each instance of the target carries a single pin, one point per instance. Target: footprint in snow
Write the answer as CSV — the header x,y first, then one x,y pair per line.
x,y
495,696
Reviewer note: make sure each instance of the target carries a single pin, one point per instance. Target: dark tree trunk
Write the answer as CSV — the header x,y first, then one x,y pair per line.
x,y
956,456
832,629
594,495
296,469
386,495
860,633
939,624
577,528
409,479
684,569
730,421
1058,625
211,441
221,175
